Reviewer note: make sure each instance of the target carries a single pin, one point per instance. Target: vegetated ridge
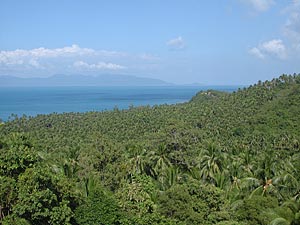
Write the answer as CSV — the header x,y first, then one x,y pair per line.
x,y
222,158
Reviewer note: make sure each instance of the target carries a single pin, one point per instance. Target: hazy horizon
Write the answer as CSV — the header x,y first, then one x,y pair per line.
x,y
110,77
235,42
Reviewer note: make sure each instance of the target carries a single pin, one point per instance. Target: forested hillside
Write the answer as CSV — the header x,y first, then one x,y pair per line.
x,y
221,158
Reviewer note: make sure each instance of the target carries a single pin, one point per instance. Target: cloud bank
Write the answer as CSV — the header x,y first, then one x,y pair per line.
x,y
66,59
43,62
19,56
97,66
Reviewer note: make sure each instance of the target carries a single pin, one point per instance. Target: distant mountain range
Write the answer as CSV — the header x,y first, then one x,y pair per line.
x,y
81,80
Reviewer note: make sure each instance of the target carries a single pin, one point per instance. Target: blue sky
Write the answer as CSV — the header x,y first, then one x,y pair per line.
x,y
209,42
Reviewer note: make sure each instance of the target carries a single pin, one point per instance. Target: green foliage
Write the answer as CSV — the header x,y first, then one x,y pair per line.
x,y
7,194
12,220
231,222
221,158
99,208
253,210
43,198
194,203
153,218
135,196
16,154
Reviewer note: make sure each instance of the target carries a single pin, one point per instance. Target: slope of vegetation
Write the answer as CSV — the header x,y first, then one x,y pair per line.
x,y
219,159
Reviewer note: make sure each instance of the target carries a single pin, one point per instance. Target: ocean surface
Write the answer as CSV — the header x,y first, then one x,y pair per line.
x,y
32,101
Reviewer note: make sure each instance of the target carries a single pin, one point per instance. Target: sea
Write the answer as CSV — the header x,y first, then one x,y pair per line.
x,y
31,101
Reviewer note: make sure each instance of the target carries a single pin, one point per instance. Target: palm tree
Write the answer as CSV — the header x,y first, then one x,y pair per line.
x,y
266,187
170,177
159,160
221,179
88,185
210,162
160,167
246,162
289,185
63,165
292,217
136,163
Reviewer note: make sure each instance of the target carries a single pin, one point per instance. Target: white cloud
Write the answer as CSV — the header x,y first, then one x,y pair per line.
x,y
73,50
58,58
176,43
293,5
71,59
30,57
292,26
97,66
260,5
270,48
256,52
275,47
34,63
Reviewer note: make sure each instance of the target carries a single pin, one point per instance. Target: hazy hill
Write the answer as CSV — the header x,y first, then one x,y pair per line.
x,y
81,80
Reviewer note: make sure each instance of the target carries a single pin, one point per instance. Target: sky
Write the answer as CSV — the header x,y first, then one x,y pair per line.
x,y
219,42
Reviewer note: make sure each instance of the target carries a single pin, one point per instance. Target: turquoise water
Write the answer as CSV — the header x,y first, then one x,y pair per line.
x,y
44,100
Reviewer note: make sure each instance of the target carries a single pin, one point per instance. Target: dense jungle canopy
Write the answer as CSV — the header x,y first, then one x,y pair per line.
x,y
221,158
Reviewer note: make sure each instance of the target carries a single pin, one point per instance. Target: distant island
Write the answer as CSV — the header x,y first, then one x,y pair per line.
x,y
81,80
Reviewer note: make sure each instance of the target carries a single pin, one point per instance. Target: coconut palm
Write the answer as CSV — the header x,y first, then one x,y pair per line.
x,y
136,163
210,162
289,215
159,161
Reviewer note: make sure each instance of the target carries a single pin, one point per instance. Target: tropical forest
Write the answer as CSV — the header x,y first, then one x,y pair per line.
x,y
221,158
